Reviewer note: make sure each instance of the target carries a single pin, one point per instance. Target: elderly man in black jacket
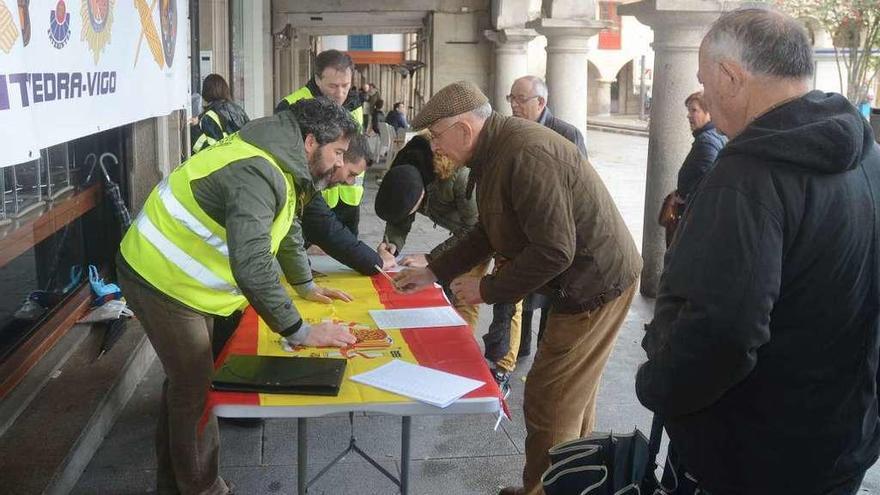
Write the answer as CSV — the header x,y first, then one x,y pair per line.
x,y
762,355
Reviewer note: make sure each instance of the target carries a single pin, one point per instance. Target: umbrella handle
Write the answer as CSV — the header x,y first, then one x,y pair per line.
x,y
103,168
94,159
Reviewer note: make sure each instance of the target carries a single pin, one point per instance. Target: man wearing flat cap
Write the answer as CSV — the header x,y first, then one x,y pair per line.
x,y
543,207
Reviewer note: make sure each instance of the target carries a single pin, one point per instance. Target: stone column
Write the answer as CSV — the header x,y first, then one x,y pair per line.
x,y
603,97
511,62
678,31
567,66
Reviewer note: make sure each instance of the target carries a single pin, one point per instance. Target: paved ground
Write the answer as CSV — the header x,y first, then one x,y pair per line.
x,y
451,454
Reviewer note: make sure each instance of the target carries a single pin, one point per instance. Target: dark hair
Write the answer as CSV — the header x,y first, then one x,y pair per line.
x,y
697,98
332,58
378,105
766,42
323,119
398,105
357,149
214,88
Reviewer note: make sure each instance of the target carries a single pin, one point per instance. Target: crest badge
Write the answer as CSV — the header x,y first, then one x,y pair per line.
x,y
97,20
59,25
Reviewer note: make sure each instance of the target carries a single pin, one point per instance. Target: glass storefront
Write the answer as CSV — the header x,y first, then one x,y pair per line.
x,y
55,220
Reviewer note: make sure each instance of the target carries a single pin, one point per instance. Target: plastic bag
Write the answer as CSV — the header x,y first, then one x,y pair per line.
x,y
111,310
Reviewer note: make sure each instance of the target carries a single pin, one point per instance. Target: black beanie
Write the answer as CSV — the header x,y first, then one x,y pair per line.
x,y
401,189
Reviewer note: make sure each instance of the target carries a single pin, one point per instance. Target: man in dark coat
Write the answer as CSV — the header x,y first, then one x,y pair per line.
x,y
762,355
322,228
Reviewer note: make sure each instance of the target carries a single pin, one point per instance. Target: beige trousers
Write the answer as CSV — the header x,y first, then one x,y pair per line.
x,y
561,387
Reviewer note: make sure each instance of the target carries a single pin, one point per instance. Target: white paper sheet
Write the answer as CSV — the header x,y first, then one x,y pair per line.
x,y
443,316
423,384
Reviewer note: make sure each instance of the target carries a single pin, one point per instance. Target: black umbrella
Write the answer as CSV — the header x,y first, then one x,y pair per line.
x,y
114,331
111,190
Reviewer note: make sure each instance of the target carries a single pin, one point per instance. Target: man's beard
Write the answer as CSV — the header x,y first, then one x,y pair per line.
x,y
321,181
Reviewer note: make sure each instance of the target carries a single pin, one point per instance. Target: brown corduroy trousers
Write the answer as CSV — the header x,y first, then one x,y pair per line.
x,y
561,387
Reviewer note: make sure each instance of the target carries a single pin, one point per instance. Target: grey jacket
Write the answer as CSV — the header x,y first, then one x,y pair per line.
x,y
564,129
245,197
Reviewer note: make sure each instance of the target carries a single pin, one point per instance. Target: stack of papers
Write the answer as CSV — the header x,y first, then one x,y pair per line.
x,y
443,316
428,385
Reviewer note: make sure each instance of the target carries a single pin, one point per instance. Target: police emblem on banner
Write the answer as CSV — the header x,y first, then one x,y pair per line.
x,y
59,25
97,20
24,15
8,31
168,22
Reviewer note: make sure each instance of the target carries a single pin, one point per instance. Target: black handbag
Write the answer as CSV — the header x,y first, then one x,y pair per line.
x,y
616,464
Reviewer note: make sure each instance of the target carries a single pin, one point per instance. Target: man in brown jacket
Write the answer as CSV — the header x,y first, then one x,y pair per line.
x,y
543,207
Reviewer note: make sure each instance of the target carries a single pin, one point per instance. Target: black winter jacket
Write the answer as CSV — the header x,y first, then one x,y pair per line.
x,y
762,355
322,228
232,118
700,160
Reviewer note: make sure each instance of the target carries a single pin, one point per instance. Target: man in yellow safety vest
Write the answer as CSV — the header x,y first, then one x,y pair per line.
x,y
206,243
333,72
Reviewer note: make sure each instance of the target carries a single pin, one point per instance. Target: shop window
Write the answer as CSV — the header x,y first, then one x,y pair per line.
x,y
609,39
54,222
360,42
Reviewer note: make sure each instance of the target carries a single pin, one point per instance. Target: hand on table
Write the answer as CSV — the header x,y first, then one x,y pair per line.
x,y
315,250
414,260
326,334
385,251
326,295
414,279
467,290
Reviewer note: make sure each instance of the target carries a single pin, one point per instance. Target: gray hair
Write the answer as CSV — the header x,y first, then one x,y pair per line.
x,y
538,86
483,111
324,119
764,41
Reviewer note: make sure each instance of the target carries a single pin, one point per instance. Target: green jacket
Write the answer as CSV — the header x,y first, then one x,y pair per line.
x,y
447,204
544,208
244,197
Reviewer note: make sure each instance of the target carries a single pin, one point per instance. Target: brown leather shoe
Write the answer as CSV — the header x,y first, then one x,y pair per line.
x,y
512,490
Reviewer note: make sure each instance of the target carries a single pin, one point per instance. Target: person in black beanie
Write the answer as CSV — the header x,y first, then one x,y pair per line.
x,y
420,181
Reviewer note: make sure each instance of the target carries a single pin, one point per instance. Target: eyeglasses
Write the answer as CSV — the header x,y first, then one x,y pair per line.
x,y
520,100
436,135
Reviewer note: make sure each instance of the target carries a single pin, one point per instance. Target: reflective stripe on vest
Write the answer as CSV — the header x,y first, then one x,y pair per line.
x,y
350,195
176,247
204,140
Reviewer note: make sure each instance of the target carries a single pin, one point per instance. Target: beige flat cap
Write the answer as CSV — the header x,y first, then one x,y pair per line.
x,y
454,99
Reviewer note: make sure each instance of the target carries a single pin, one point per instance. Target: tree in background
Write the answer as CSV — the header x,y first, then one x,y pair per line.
x,y
855,28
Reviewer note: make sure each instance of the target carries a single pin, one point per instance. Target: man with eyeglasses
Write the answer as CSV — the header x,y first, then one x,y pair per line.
x,y
545,209
528,100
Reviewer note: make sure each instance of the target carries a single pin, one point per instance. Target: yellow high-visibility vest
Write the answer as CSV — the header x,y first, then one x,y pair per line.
x,y
350,195
180,250
204,140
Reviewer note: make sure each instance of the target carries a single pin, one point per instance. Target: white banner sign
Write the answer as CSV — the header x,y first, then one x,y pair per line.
x,y
70,68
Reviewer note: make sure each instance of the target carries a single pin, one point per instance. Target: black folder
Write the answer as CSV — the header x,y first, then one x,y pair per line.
x,y
280,375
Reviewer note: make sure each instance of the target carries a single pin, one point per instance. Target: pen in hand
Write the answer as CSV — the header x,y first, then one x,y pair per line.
x,y
385,274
